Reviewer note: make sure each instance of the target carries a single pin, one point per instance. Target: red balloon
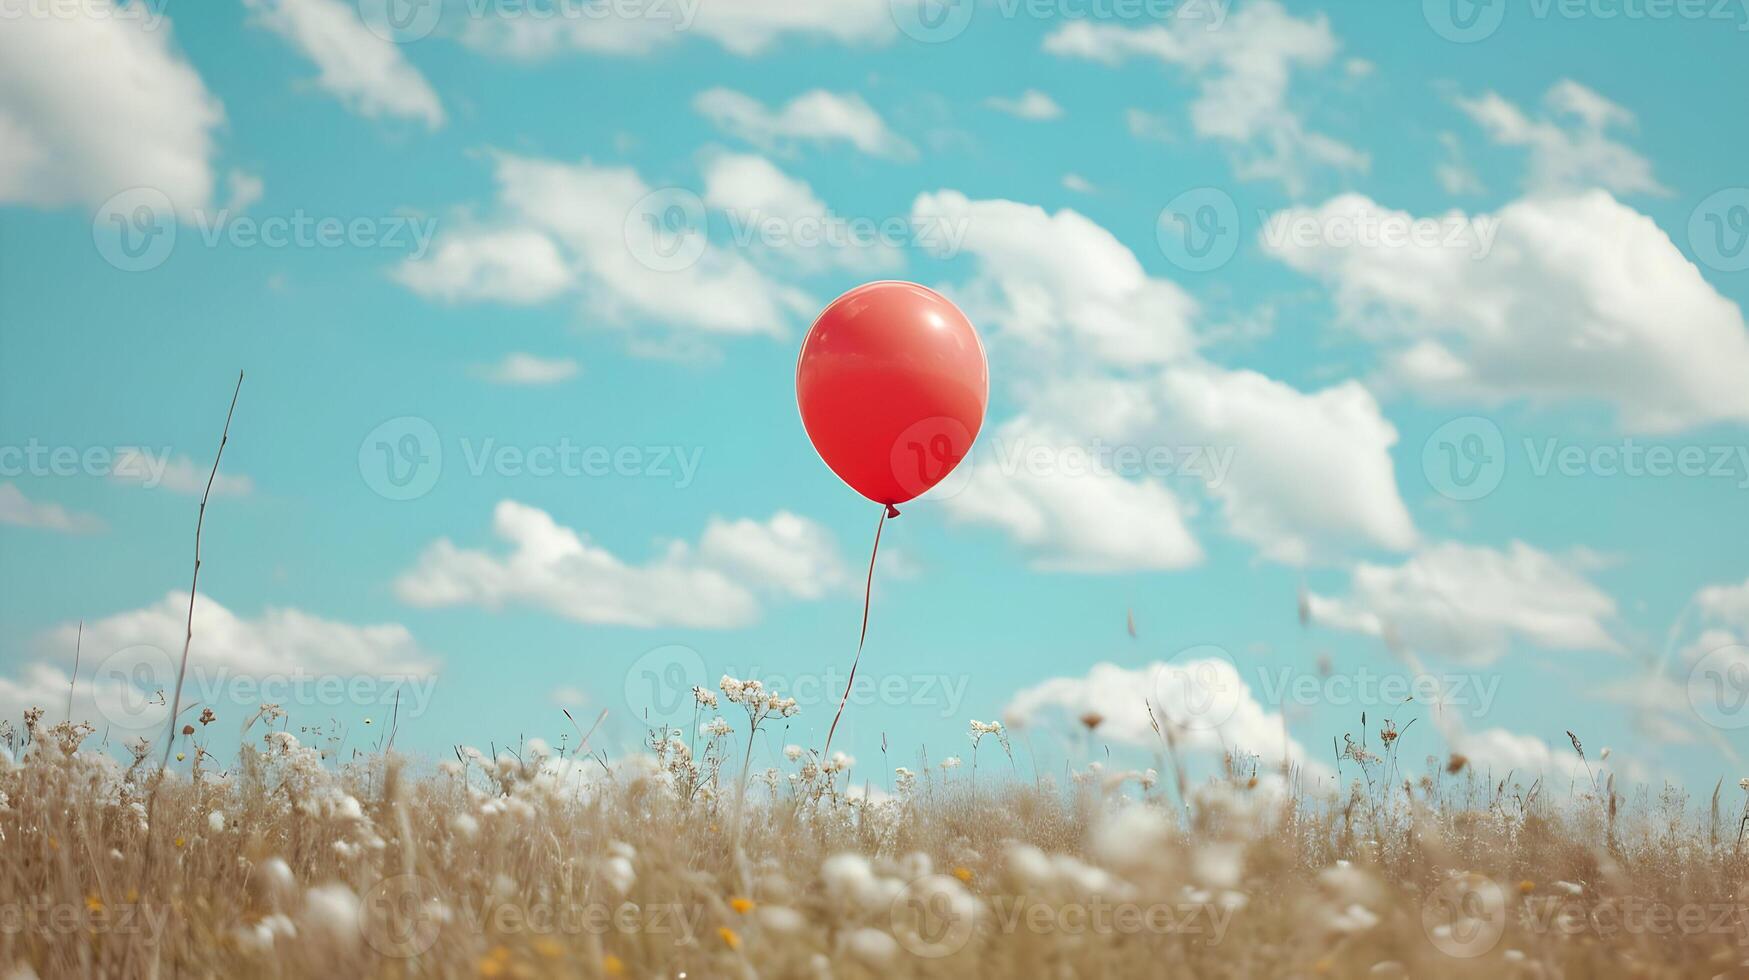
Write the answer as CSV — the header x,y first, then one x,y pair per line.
x,y
892,386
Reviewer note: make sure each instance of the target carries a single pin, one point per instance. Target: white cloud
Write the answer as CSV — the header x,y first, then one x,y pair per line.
x,y
1030,104
516,266
1576,298
242,191
1305,477
758,196
1210,706
787,553
719,583
746,27
1494,752
367,73
1144,125
94,105
570,697
591,214
1570,149
1311,474
1091,522
20,511
1078,184
1727,604
1454,173
128,664
1469,603
518,368
179,474
1243,67
817,116
279,641
1060,283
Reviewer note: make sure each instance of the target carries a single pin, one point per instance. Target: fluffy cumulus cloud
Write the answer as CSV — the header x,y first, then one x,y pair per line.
x,y
719,582
368,73
1243,65
19,510
1311,475
128,664
1304,476
1059,283
516,266
816,117
1494,752
1726,604
597,232
1576,298
1469,603
772,211
1570,146
1073,519
1203,697
639,27
279,641
94,105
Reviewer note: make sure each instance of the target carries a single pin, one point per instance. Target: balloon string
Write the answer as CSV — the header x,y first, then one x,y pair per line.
x,y
867,590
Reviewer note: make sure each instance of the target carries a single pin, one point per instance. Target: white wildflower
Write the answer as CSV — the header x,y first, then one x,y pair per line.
x,y
1354,919
331,912
872,946
278,876
465,825
781,920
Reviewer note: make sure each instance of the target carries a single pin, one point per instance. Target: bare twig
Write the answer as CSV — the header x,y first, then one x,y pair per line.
x,y
194,583
78,642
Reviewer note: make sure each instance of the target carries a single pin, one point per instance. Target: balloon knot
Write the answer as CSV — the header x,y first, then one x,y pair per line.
x,y
892,511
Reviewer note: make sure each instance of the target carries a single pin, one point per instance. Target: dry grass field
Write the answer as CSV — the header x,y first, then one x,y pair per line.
x,y
549,863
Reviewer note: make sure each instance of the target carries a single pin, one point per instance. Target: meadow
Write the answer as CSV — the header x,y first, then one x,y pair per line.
x,y
686,859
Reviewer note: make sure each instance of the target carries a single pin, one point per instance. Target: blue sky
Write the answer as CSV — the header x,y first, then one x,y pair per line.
x,y
1510,253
